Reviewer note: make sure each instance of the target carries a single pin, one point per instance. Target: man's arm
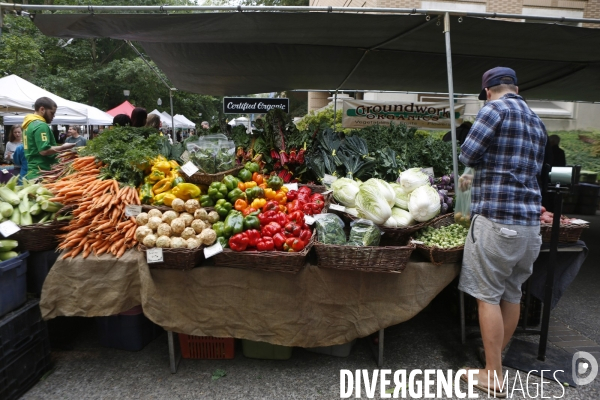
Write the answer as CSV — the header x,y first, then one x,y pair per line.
x,y
57,149
480,136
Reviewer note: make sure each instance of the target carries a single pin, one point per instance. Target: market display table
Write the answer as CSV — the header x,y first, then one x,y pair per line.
x,y
316,307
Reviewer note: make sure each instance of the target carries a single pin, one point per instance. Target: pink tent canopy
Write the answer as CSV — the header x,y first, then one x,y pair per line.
x,y
124,108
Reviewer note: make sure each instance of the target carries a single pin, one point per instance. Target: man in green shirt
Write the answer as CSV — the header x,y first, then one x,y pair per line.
x,y
38,141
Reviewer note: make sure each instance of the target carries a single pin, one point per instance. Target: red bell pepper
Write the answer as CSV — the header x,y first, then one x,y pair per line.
x,y
305,189
303,197
292,195
270,229
248,211
293,206
292,230
317,198
253,237
271,205
293,244
279,240
238,242
312,208
305,235
265,244
296,216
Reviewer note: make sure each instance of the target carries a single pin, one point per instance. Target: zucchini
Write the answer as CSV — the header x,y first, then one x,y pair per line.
x,y
42,191
26,219
29,190
9,196
50,206
16,218
7,255
35,209
6,210
24,206
42,198
7,244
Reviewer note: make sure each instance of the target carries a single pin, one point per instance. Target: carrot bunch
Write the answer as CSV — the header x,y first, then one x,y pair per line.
x,y
99,224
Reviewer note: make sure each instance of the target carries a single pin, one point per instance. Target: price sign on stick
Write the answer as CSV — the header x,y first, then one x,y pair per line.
x,y
132,210
291,186
8,228
329,179
189,168
308,220
337,207
154,255
213,250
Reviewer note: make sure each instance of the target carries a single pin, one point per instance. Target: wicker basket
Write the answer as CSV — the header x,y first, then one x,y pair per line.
x,y
439,255
206,179
42,237
182,259
314,188
390,259
568,233
272,261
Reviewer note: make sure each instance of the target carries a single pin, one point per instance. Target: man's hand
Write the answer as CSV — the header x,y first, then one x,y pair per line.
x,y
66,146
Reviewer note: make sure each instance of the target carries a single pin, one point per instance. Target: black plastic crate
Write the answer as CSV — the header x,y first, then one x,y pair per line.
x,y
19,329
39,264
127,332
25,370
13,283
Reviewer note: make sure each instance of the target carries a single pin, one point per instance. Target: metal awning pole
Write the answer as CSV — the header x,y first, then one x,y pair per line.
x,y
334,109
172,114
451,95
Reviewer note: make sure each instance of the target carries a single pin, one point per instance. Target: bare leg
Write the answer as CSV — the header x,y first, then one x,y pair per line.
x,y
492,333
510,317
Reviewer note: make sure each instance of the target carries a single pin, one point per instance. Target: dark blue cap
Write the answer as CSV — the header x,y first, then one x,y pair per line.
x,y
492,78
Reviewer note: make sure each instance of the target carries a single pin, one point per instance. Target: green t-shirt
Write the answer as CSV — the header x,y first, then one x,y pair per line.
x,y
38,137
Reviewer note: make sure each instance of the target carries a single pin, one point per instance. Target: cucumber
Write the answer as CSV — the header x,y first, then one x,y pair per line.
x,y
7,255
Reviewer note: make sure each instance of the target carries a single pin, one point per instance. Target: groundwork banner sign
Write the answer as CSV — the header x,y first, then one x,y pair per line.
x,y
253,105
362,113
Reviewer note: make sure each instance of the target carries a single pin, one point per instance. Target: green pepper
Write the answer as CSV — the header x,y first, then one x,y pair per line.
x,y
254,193
224,242
219,228
244,175
234,223
177,181
252,166
146,194
223,207
251,222
217,190
206,201
231,182
236,194
274,182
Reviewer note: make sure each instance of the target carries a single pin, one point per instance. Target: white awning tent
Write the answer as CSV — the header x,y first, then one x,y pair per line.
x,y
17,98
179,123
183,118
166,121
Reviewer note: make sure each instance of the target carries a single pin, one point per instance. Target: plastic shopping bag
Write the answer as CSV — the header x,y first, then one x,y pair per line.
x,y
462,206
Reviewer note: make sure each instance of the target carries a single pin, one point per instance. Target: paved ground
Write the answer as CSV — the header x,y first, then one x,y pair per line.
x,y
428,341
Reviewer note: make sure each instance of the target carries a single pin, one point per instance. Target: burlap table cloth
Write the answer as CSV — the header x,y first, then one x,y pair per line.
x,y
316,307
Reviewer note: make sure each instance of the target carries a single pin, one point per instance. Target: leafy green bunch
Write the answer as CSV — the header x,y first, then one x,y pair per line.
x,y
126,152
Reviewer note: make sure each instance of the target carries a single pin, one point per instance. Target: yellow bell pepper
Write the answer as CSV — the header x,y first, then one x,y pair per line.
x,y
159,199
155,176
284,189
270,193
186,191
258,203
174,165
162,166
280,197
159,159
162,186
168,198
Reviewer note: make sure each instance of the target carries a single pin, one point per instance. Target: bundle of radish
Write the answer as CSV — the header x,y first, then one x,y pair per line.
x,y
547,217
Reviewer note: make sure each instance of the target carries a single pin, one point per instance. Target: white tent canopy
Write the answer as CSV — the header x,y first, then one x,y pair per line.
x,y
17,98
178,122
184,119
166,121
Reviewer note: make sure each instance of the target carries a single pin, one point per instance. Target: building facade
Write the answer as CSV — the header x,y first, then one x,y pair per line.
x,y
556,115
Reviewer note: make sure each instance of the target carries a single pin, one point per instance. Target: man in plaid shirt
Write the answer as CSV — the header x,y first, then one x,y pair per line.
x,y
505,147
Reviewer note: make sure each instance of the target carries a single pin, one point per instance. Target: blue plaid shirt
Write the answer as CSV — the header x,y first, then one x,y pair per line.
x,y
506,148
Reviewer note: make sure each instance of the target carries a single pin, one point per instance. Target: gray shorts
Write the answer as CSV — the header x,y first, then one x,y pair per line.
x,y
496,265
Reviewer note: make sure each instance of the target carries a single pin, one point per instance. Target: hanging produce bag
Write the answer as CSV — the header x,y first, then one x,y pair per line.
x,y
462,209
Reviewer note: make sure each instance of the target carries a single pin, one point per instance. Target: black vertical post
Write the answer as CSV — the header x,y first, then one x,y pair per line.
x,y
549,287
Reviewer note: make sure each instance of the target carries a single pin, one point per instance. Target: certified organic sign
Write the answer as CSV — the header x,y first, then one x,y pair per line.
x,y
253,105
361,113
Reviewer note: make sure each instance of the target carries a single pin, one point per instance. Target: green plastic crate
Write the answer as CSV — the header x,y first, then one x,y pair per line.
x,y
265,351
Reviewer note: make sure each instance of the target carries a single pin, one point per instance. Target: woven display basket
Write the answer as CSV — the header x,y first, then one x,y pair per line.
x,y
206,179
391,236
272,261
42,237
314,188
182,259
390,259
568,233
438,255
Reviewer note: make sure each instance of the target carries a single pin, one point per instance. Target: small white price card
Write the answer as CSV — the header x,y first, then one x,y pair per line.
x,y
308,220
428,171
189,168
326,192
8,228
291,186
132,210
185,156
213,250
416,242
337,207
329,179
4,171
154,255
579,222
